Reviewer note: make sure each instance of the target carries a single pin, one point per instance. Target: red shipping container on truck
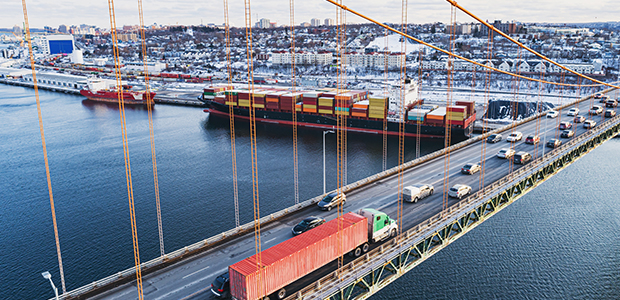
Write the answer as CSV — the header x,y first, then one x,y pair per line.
x,y
290,260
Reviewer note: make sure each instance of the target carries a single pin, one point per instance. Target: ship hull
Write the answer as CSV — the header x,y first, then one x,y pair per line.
x,y
112,97
324,122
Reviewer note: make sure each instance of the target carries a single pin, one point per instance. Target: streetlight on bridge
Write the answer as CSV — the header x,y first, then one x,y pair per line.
x,y
47,275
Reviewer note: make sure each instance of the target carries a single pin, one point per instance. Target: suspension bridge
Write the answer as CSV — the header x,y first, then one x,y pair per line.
x,y
425,227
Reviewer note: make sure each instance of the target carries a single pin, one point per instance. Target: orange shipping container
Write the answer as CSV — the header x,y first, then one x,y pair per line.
x,y
296,257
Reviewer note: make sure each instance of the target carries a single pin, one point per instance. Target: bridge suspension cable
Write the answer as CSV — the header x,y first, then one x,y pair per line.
x,y
231,116
385,94
149,105
448,127
487,98
456,55
255,196
491,27
402,112
295,152
121,106
341,122
44,145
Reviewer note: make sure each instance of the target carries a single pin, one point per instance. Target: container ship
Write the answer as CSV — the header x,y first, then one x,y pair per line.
x,y
365,113
100,90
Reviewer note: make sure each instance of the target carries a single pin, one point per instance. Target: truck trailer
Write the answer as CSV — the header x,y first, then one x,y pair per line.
x,y
292,259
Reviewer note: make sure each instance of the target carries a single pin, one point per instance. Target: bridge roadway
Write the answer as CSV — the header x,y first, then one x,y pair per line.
x,y
191,278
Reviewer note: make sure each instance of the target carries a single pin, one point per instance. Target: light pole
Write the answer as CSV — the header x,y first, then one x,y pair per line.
x,y
47,275
324,133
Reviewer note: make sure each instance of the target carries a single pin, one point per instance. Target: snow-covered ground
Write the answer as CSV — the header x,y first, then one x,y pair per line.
x,y
393,44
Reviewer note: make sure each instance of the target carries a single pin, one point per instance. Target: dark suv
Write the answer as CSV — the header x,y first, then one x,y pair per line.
x,y
522,157
221,286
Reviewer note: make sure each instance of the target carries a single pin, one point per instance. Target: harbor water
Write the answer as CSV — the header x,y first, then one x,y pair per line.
x,y
557,242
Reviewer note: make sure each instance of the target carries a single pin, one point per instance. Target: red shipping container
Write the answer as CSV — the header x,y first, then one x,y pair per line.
x,y
290,260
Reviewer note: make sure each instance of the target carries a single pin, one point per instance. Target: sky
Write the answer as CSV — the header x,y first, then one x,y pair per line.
x,y
190,12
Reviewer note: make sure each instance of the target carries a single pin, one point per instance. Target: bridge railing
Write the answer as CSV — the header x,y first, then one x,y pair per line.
x,y
204,244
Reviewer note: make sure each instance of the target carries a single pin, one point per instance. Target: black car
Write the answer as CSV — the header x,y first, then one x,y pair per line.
x,y
554,143
610,113
494,138
307,224
221,286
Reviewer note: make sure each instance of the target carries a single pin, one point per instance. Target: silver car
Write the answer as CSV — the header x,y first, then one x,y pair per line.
x,y
459,191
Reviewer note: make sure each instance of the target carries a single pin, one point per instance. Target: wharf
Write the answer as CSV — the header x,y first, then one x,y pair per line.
x,y
189,98
43,86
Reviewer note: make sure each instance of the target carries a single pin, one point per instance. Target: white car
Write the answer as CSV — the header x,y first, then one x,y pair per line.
x,y
573,112
595,110
505,153
552,114
515,136
459,191
589,124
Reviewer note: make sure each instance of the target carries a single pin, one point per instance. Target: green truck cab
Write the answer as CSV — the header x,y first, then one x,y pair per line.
x,y
380,226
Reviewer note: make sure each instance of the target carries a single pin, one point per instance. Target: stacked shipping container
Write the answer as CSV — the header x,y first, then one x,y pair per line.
x,y
377,107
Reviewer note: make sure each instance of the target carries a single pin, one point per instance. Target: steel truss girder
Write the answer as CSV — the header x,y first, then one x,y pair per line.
x,y
388,262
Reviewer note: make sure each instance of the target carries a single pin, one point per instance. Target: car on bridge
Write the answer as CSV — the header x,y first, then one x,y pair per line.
x,y
598,95
494,138
221,286
604,99
573,112
459,191
522,157
514,137
470,168
589,124
505,153
567,134
416,192
532,139
552,114
307,224
332,200
611,103
565,125
579,119
610,113
554,143
595,110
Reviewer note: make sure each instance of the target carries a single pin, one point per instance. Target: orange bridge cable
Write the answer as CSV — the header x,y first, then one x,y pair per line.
x,y
418,129
231,117
294,115
401,124
121,103
487,97
149,105
385,93
456,55
454,4
448,125
253,151
44,145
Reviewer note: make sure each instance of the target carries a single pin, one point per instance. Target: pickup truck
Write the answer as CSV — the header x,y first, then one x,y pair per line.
x,y
413,193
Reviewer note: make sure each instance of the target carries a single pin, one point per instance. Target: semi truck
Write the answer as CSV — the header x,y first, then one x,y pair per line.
x,y
292,259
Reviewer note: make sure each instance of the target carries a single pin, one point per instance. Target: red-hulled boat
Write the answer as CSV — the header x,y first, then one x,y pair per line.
x,y
97,91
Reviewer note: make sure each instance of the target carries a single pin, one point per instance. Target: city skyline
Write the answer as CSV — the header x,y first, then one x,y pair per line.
x,y
72,12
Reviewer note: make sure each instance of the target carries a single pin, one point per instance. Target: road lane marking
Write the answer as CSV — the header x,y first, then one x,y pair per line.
x,y
188,275
181,288
271,240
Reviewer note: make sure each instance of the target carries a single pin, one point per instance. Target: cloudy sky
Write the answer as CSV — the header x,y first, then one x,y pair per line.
x,y
188,12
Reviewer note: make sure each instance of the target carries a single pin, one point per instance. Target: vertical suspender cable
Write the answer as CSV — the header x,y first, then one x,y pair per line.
x,y
385,93
231,116
257,238
149,101
342,125
121,106
45,159
402,112
295,157
487,83
515,105
448,126
419,122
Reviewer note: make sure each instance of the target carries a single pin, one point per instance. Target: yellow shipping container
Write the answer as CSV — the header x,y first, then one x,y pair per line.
x,y
309,106
244,103
338,112
259,105
231,103
325,111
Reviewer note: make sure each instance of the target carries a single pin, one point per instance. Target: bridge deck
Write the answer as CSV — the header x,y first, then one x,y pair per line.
x,y
192,277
